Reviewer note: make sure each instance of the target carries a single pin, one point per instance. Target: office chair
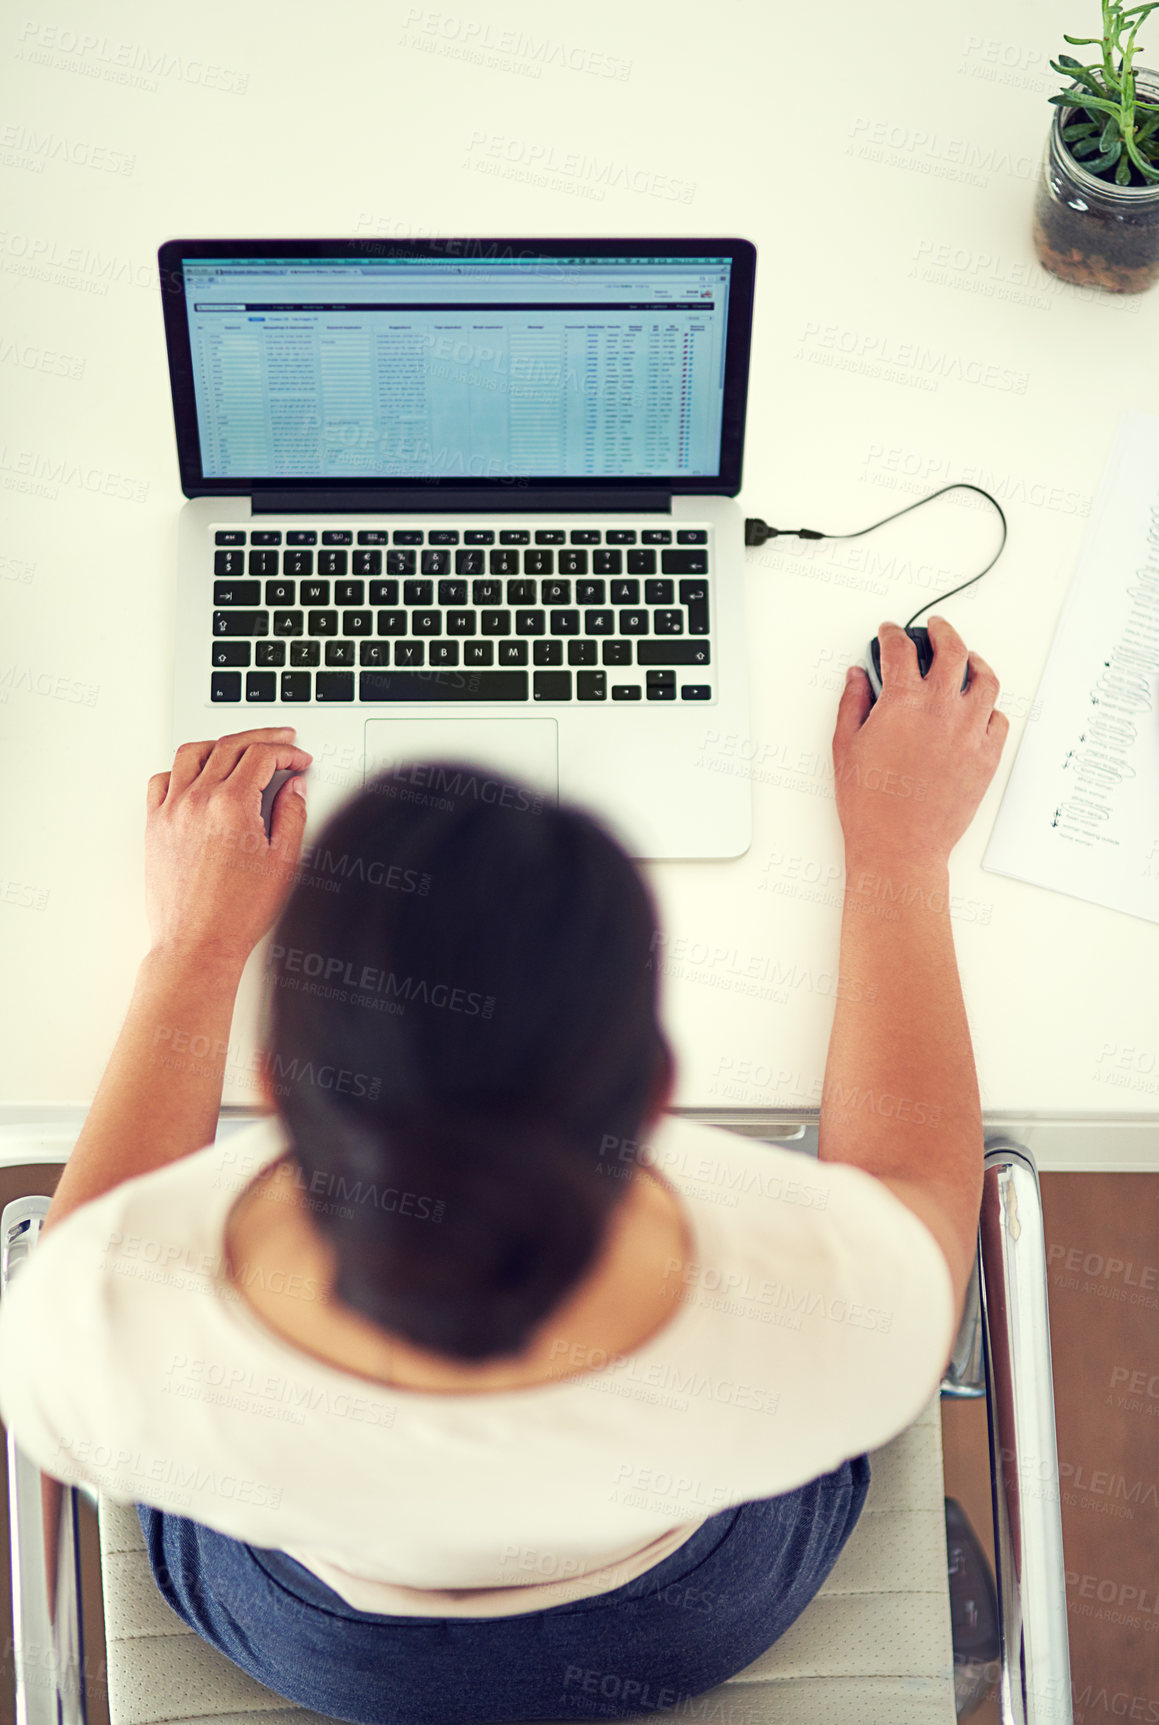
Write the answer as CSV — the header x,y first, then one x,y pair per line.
x,y
874,1646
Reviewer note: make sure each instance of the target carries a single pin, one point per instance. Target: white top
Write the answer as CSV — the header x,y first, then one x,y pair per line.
x,y
817,1321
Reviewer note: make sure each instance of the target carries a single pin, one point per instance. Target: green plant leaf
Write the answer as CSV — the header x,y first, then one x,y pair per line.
x,y
1144,167
1084,41
1083,130
1123,172
1076,99
1081,75
1096,164
1084,149
1110,132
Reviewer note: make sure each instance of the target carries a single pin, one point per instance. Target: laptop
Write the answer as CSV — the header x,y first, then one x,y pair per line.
x,y
470,501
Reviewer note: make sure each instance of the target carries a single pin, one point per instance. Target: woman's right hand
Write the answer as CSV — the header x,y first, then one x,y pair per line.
x,y
912,768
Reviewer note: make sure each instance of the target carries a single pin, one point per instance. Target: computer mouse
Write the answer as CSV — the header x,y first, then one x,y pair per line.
x,y
281,774
921,640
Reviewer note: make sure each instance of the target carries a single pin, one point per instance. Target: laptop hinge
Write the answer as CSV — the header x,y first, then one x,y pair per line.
x,y
438,500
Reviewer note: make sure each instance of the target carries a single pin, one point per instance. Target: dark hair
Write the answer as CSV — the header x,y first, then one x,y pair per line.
x,y
463,1041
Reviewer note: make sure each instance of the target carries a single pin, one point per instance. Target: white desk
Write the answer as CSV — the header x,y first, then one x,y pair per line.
x,y
904,337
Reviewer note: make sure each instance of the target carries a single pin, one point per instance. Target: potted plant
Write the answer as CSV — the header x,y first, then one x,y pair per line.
x,y
1096,211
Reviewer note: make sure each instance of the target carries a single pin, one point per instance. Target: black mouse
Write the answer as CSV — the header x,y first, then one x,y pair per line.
x,y
921,640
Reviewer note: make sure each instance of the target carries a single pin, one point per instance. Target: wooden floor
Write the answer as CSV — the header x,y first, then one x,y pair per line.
x,y
1102,1234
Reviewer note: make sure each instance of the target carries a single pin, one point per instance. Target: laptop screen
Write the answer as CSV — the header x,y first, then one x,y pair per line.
x,y
444,368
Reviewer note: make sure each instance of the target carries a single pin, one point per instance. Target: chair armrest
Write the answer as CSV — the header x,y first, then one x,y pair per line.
x,y
43,1536
1031,1581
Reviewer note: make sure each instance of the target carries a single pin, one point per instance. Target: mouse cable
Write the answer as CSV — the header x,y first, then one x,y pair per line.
x,y
757,531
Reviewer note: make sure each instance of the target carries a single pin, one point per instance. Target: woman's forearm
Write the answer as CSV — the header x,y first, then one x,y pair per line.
x,y
160,1095
900,1097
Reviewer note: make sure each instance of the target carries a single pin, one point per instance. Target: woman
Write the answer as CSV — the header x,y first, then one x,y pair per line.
x,y
505,1394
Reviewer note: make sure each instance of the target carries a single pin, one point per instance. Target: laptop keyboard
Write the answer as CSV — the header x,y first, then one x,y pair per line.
x,y
442,615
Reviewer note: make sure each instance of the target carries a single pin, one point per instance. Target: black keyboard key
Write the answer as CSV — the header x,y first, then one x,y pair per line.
x,y
581,653
460,622
529,622
573,562
668,622
547,652
400,562
359,623
261,686
625,592
616,652
454,686
694,597
469,563
627,692
229,536
555,593
314,593
515,536
225,686
373,536
479,536
656,536
486,592
590,592
691,536
331,562
478,652
550,536
384,592
287,623
241,622
443,653
295,686
263,563
661,685
695,692
406,536
338,536
334,686
565,622
339,653
350,592
521,592
237,592
599,622
495,622
591,686
503,562
280,592
513,652
442,536
584,536
265,537
302,536
268,653
418,592
539,562
297,563
229,562
322,623
552,685
436,562
305,652
607,562
684,562
633,622
658,592
366,562
672,653
374,652
392,622
620,536
409,652
641,563
426,622
452,592
230,653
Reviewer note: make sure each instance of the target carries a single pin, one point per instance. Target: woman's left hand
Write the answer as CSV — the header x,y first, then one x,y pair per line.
x,y
214,883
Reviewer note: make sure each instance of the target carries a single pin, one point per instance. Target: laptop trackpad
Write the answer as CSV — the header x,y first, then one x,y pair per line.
x,y
524,750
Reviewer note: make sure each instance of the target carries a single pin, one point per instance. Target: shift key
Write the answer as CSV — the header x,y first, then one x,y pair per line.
x,y
241,622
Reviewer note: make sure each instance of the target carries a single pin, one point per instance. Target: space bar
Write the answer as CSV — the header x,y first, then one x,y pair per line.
x,y
442,686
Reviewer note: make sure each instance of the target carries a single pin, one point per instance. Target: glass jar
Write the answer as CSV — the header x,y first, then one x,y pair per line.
x,y
1088,230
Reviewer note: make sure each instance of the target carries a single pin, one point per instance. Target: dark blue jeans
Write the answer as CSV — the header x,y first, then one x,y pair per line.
x,y
694,1620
